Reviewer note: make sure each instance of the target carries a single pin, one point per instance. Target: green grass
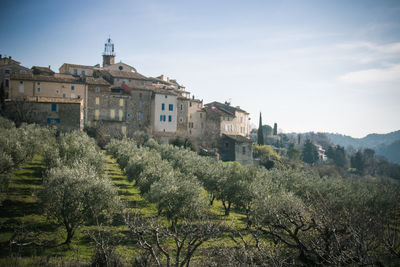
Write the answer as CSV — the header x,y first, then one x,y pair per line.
x,y
21,209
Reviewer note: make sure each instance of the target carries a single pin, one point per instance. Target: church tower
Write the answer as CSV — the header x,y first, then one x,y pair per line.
x,y
108,54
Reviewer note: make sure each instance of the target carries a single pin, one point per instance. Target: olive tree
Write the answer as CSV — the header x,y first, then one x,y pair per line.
x,y
72,147
170,246
74,195
327,222
178,196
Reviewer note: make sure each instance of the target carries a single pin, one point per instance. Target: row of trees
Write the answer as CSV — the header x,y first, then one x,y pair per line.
x,y
76,191
18,146
311,220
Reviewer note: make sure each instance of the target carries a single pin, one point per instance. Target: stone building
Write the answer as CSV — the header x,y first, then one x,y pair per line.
x,y
9,66
55,86
164,118
236,148
65,114
77,70
231,120
228,129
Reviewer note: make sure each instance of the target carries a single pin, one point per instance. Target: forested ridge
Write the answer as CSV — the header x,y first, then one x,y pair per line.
x,y
173,207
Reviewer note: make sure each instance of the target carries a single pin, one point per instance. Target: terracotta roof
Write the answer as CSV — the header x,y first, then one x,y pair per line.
x,y
96,81
126,88
158,79
218,111
237,138
48,99
126,74
163,91
40,70
77,66
45,78
8,61
226,108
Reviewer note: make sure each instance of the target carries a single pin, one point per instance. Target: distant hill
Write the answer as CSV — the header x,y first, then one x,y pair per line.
x,y
387,145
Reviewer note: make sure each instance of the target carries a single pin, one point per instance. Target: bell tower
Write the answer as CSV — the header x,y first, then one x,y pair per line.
x,y
108,54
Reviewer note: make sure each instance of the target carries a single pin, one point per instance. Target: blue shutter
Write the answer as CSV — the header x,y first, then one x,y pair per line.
x,y
161,117
53,107
170,118
164,117
162,106
58,120
48,120
171,107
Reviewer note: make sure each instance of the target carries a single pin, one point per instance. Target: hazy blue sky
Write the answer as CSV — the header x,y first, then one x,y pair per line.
x,y
329,66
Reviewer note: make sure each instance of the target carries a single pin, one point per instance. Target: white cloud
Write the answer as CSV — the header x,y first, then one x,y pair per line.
x,y
389,74
390,48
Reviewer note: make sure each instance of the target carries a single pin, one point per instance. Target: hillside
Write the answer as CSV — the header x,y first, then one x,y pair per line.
x,y
387,145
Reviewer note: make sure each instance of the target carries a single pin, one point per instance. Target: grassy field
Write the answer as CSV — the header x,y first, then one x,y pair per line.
x,y
22,211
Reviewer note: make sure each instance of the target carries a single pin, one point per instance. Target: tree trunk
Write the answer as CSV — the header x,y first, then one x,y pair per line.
x,y
227,207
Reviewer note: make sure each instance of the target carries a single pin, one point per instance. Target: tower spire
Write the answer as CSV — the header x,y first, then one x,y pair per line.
x,y
108,54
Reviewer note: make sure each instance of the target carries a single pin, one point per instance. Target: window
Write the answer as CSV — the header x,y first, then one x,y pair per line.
x,y
48,120
162,106
244,150
97,89
169,118
140,95
7,71
140,116
120,114
97,114
164,117
161,117
38,83
97,101
57,91
166,96
75,72
58,120
38,89
121,102
120,68
72,87
83,73
7,82
142,83
123,130
190,104
170,107
181,107
226,144
112,113
64,95
140,104
53,107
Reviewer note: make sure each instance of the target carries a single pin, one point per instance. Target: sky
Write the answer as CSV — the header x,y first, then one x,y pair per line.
x,y
322,66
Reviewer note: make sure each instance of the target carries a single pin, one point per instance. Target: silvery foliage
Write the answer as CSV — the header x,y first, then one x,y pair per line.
x,y
75,194
73,147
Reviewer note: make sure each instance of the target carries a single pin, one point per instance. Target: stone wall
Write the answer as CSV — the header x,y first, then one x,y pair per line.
x,y
65,116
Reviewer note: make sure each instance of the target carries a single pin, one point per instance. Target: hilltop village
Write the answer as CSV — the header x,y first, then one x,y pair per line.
x,y
118,101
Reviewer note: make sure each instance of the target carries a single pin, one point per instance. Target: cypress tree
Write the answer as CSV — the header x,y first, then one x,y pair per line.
x,y
260,134
275,128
